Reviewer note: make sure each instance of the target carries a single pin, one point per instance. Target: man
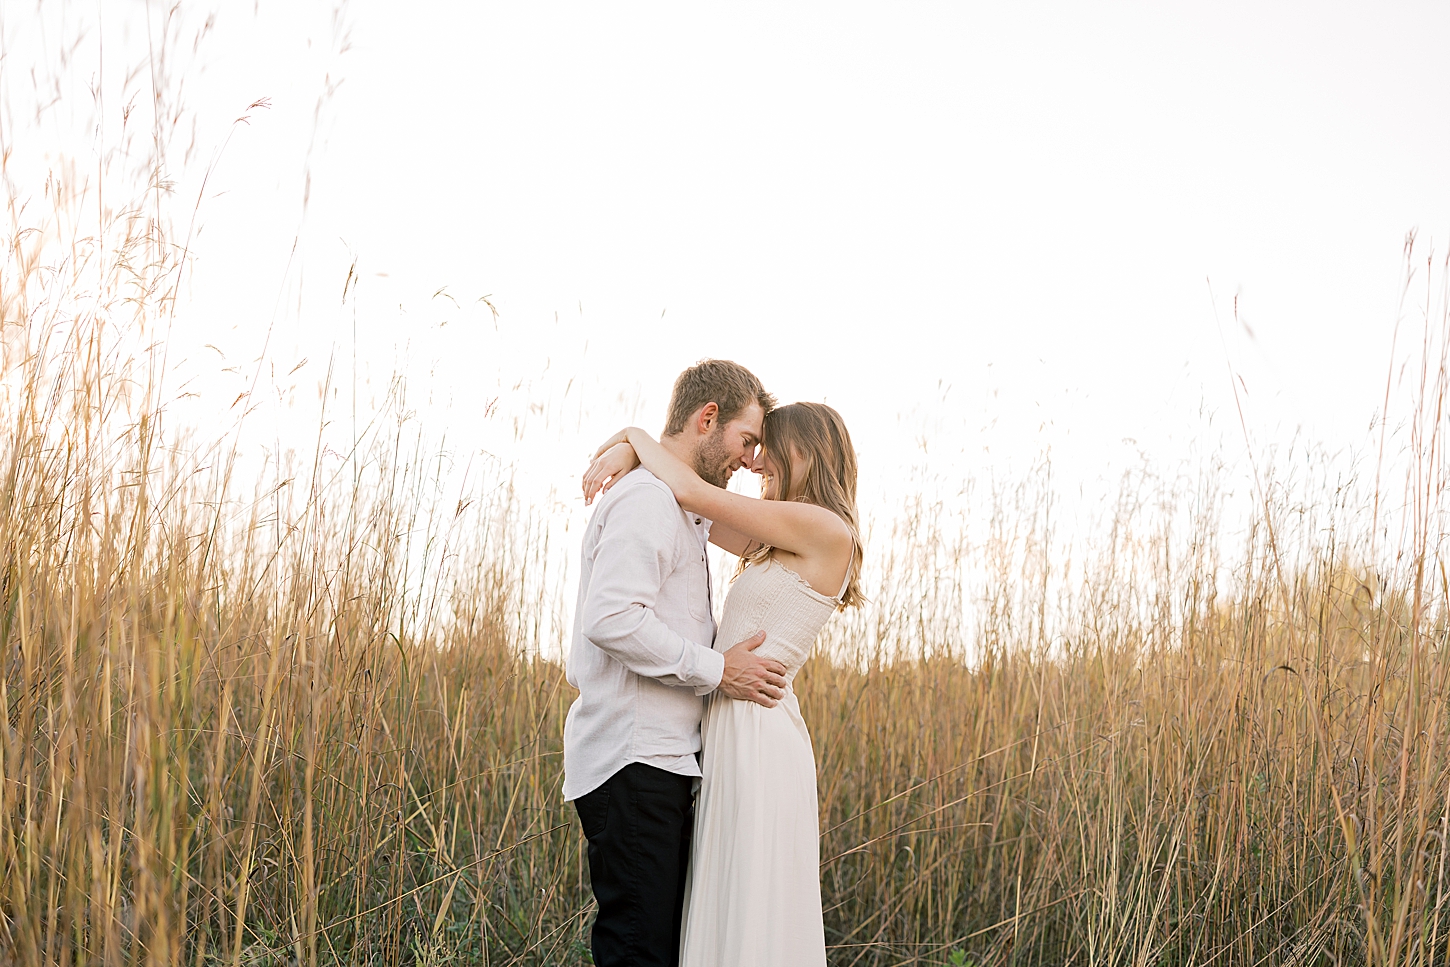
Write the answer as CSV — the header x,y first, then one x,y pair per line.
x,y
642,660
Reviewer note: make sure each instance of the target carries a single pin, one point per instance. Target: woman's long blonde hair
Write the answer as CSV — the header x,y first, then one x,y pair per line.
x,y
815,435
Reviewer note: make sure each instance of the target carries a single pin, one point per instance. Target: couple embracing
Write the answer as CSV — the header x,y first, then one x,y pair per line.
x,y
669,704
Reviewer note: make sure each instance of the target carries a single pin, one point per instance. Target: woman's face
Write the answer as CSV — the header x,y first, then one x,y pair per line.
x,y
763,464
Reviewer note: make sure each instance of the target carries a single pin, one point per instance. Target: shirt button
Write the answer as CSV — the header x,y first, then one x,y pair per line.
x,y
697,520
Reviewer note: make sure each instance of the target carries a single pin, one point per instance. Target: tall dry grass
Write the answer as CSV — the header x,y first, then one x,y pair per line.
x,y
304,719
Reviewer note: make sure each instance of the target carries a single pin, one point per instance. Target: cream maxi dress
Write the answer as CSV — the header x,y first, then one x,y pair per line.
x,y
753,898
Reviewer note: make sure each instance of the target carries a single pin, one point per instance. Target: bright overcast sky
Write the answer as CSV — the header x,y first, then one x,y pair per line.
x,y
1003,228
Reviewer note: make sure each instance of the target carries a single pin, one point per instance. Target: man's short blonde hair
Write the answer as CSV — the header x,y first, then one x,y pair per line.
x,y
728,385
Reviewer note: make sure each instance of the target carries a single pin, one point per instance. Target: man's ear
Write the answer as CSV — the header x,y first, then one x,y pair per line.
x,y
709,413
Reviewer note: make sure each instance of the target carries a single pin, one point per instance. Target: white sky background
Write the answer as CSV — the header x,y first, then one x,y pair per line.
x,y
996,231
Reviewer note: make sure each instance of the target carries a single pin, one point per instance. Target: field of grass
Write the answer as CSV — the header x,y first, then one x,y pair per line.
x,y
305,719
312,726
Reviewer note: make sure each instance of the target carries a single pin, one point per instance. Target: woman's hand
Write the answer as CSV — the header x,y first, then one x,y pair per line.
x,y
611,463
621,437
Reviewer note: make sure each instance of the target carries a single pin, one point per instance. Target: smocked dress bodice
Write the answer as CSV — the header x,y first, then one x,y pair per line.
x,y
770,597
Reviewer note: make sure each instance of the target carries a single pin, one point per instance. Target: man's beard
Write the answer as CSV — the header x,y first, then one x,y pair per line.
x,y
713,460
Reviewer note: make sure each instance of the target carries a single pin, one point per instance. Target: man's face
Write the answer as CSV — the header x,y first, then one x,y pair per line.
x,y
729,446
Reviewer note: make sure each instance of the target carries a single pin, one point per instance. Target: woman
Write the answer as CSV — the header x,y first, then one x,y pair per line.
x,y
754,892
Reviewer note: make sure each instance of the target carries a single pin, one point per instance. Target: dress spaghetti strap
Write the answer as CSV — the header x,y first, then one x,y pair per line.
x,y
847,582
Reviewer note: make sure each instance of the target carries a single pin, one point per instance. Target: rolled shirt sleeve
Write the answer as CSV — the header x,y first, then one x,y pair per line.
x,y
634,555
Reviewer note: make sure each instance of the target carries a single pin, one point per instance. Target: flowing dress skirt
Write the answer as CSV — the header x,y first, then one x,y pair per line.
x,y
753,897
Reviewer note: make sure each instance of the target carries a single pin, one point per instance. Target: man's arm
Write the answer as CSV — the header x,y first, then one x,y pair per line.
x,y
631,561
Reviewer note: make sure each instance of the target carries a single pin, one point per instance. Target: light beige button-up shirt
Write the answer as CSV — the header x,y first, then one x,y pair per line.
x,y
640,655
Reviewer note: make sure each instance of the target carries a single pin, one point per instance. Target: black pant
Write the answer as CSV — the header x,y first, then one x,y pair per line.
x,y
638,825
